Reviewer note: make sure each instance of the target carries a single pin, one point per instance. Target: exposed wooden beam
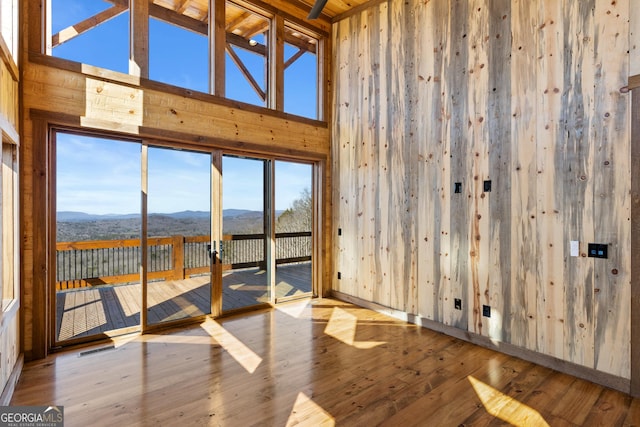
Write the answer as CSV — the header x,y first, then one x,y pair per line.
x,y
139,28
355,10
82,27
236,22
245,71
276,65
635,244
172,17
217,45
243,43
258,29
183,6
300,43
294,58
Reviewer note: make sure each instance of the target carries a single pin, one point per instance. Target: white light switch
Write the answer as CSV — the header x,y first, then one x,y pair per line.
x,y
575,248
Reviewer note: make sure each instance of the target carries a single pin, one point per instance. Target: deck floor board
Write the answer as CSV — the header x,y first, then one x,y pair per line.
x,y
91,311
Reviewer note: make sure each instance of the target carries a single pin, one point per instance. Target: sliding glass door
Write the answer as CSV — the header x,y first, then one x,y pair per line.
x,y
98,225
246,232
294,224
178,229
267,227
147,235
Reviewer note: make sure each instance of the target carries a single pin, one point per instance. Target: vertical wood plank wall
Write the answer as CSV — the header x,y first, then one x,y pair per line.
x,y
10,318
525,94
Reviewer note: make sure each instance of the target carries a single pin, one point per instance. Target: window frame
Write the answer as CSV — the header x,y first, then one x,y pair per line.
x,y
13,246
140,11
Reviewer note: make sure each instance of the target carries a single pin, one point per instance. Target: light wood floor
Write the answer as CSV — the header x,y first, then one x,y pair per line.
x,y
91,311
314,362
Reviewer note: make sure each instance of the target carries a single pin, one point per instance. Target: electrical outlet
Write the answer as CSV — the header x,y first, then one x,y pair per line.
x,y
339,231
598,250
339,275
457,304
487,186
457,187
486,311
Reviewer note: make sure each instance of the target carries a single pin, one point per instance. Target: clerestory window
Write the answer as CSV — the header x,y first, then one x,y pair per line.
x,y
261,62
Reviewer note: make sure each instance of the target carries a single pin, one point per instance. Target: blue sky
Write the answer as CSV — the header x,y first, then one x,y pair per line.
x,y
102,176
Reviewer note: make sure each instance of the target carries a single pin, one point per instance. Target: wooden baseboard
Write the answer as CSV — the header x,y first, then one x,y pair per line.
x,y
589,374
7,393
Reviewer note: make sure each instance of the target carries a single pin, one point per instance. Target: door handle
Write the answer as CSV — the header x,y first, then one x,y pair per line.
x,y
213,253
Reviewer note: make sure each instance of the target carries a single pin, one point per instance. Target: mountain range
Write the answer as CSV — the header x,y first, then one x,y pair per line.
x,y
72,216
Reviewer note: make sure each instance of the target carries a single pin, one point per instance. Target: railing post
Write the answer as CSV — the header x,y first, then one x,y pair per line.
x,y
178,257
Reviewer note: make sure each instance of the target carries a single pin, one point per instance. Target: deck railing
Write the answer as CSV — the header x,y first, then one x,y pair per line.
x,y
90,263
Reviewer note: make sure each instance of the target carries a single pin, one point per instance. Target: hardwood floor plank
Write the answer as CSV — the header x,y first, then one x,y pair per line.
x,y
575,404
333,362
633,415
610,409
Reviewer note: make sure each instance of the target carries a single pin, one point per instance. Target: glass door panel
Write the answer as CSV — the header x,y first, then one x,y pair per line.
x,y
98,226
245,229
294,225
178,234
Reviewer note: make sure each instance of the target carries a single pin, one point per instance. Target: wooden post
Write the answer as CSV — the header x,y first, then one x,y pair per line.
x,y
270,227
144,184
217,43
38,346
276,64
635,245
178,257
216,233
139,38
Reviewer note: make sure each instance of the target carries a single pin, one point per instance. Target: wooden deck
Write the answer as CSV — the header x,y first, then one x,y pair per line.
x,y
90,311
310,363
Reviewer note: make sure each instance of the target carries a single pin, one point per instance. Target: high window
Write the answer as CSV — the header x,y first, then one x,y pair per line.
x,y
235,50
8,224
247,55
93,32
300,72
169,61
9,25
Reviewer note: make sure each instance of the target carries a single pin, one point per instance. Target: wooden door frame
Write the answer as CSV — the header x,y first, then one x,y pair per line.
x,y
38,344
635,242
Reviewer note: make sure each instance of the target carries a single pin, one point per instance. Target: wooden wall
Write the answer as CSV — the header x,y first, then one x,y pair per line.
x,y
525,93
10,364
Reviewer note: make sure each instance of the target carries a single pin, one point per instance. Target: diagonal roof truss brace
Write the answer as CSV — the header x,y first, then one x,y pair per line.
x,y
83,26
245,71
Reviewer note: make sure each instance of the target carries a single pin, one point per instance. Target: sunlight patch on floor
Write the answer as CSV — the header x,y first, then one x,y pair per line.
x,y
505,407
294,310
186,309
236,348
306,411
247,288
342,326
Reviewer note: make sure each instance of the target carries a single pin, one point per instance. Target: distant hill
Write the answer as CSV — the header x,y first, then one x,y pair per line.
x,y
78,226
68,216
